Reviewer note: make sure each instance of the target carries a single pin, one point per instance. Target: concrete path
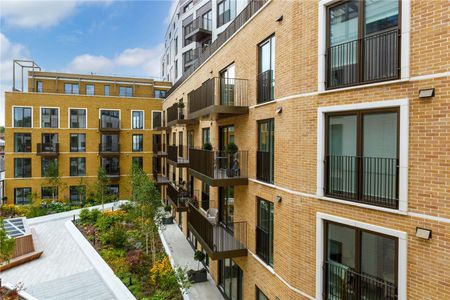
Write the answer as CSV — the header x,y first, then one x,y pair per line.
x,y
63,271
182,254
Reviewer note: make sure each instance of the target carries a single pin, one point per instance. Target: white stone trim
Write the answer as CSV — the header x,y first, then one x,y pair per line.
x,y
403,104
40,116
131,119
322,35
68,117
22,106
402,249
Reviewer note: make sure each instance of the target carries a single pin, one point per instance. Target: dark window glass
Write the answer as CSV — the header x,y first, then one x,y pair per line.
x,y
48,192
260,295
22,142
47,162
157,119
22,167
264,231
113,191
49,117
230,282
22,195
205,136
138,161
266,69
111,165
265,154
160,94
77,118
78,166
77,194
110,119
77,142
226,10
187,30
22,117
138,142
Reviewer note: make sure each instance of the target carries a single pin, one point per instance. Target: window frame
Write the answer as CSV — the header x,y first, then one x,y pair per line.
x,y
69,123
23,135
23,168
126,95
106,87
42,164
13,119
271,205
41,108
140,143
78,142
39,86
142,119
75,188
71,88
22,189
160,112
78,173
86,89
140,164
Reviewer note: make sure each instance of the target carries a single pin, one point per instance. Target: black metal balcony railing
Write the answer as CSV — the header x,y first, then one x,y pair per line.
x,y
108,123
178,154
47,148
199,30
263,244
369,59
252,7
219,91
369,180
190,56
341,282
218,241
178,196
264,166
175,113
219,164
266,85
108,148
112,172
159,149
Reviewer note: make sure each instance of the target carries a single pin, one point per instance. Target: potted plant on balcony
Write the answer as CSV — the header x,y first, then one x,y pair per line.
x,y
168,218
199,275
233,163
181,109
207,146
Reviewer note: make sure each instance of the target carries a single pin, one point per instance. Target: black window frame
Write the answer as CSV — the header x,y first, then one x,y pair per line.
x,y
25,169
71,91
74,193
45,161
77,148
25,145
266,79
23,123
23,190
140,120
138,161
39,87
260,173
76,169
50,190
137,146
77,117
262,236
51,117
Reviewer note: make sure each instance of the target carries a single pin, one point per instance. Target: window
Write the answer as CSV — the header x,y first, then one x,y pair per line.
x,y
22,117
90,89
205,136
187,30
22,142
77,194
230,279
175,65
160,94
138,142
226,10
125,91
264,231
111,165
71,88
138,161
228,86
39,87
110,143
188,6
366,257
363,42
137,119
156,119
113,191
22,195
361,156
49,117
49,167
49,142
22,167
207,20
78,166
77,142
260,295
226,204
265,155
106,90
77,118
110,119
48,192
266,69
205,196
175,45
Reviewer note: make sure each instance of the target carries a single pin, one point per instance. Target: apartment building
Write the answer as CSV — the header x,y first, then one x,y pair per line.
x,y
81,123
194,25
307,155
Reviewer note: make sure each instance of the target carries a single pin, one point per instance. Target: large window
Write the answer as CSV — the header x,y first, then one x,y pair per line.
x,y
361,157
22,167
264,231
49,117
138,161
77,118
111,165
160,94
106,90
205,136
114,191
22,117
205,196
48,192
230,279
22,195
266,70
39,87
137,119
138,142
110,143
363,42
110,119
90,89
359,264
77,142
71,88
77,194
265,155
49,167
226,10
156,119
78,166
49,142
22,142
187,30
125,91
226,207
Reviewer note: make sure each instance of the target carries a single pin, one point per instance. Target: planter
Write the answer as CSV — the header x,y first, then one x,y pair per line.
x,y
181,116
167,220
197,276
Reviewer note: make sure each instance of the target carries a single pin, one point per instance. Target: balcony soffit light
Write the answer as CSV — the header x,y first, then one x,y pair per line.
x,y
423,233
426,93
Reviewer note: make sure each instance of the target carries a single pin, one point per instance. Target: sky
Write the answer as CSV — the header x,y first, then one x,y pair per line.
x,y
102,37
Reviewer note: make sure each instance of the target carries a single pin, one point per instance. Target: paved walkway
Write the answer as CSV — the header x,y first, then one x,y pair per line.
x,y
182,254
63,271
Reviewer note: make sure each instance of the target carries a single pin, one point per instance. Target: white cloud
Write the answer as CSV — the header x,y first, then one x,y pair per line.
x,y
33,14
8,52
132,61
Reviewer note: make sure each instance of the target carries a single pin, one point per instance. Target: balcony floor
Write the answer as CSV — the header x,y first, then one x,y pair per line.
x,y
180,163
219,112
220,178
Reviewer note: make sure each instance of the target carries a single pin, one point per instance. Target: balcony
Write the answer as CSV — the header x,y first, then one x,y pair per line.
x,y
177,116
178,197
160,179
178,156
219,242
108,149
159,150
264,166
189,57
219,98
48,149
266,83
219,168
113,173
367,180
200,30
370,59
341,282
109,125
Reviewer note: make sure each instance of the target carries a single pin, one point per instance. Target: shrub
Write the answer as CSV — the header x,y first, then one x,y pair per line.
x,y
232,148
89,216
107,219
116,236
207,146
116,260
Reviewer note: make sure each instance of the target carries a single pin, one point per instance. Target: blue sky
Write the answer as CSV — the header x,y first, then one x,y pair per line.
x,y
103,37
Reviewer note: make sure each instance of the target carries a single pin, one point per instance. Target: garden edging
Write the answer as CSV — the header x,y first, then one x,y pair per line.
x,y
106,273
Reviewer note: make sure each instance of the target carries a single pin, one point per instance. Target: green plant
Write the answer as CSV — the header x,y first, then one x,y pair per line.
x,y
53,180
102,185
7,244
89,216
167,208
199,256
116,236
232,148
180,104
207,146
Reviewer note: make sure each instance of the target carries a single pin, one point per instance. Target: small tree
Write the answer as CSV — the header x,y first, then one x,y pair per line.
x,y
7,244
199,256
102,185
53,180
